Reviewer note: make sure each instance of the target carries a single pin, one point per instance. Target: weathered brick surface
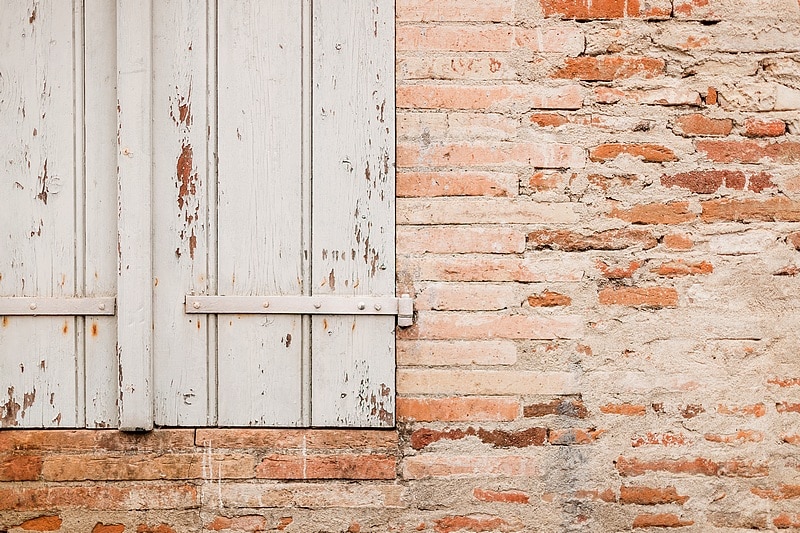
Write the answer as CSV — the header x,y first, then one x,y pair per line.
x,y
599,217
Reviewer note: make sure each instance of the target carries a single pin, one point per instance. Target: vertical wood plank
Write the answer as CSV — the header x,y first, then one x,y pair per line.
x,y
353,199
260,207
180,133
78,128
211,205
37,236
134,162
100,209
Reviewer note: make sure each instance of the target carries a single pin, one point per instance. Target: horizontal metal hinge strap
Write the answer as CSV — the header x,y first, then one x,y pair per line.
x,y
33,306
303,305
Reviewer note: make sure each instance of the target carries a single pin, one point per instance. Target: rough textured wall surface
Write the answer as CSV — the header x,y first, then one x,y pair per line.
x,y
599,216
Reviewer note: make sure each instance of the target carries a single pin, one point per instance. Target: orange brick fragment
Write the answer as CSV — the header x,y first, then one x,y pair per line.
x,y
42,523
654,297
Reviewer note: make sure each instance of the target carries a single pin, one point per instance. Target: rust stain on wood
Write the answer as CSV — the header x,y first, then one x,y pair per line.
x,y
94,329
9,410
42,195
27,401
65,328
186,183
5,321
187,176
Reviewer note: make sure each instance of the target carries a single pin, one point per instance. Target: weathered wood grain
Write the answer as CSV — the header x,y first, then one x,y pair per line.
x,y
134,162
353,199
37,235
180,207
260,250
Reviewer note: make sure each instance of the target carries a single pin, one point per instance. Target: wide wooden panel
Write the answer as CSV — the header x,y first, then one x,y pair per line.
x,y
37,226
180,153
353,201
260,172
100,210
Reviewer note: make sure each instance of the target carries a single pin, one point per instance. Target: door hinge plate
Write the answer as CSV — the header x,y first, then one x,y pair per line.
x,y
34,306
403,307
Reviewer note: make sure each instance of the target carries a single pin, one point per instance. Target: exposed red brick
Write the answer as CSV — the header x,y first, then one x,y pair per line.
x,y
433,184
567,437
662,439
680,267
20,467
239,523
42,523
605,182
782,492
558,406
754,127
463,409
777,209
791,439
106,497
109,440
759,182
794,240
477,523
706,181
654,297
483,97
619,272
750,151
678,241
787,521
549,299
108,528
650,153
454,10
697,124
691,410
497,438
547,181
610,68
699,466
711,96
569,241
736,438
339,466
660,520
757,410
505,496
671,213
549,119
627,409
785,407
650,495
784,382
589,10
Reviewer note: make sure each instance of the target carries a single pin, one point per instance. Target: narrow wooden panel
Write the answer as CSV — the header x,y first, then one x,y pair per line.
x,y
260,207
180,133
134,162
37,236
353,199
100,210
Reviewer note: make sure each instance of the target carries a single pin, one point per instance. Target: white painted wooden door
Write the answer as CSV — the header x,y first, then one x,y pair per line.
x,y
248,150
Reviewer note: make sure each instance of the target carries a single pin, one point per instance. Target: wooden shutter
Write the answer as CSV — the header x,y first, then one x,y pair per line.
x,y
58,225
247,151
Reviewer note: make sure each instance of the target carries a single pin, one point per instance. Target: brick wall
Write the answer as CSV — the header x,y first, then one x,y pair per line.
x,y
599,216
